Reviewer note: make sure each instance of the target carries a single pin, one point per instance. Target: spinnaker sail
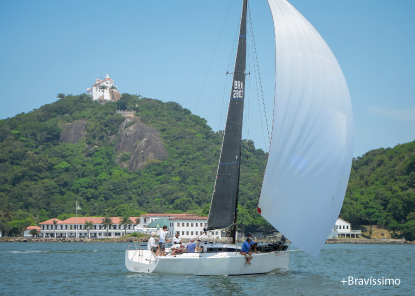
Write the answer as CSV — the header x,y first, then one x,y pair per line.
x,y
311,148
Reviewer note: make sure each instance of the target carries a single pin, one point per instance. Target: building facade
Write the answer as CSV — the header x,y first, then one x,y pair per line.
x,y
26,232
148,218
343,228
103,94
188,225
76,228
192,227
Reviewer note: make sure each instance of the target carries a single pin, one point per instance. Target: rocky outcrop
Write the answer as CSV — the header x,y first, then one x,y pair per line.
x,y
72,132
114,95
142,141
139,142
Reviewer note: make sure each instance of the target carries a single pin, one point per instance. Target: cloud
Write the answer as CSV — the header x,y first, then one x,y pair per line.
x,y
400,114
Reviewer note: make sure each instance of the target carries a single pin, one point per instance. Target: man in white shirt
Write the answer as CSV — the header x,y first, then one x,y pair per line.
x,y
163,241
177,240
151,245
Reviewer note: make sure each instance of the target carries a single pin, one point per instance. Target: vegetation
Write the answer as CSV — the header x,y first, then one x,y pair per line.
x,y
125,221
43,177
34,232
88,225
382,190
107,222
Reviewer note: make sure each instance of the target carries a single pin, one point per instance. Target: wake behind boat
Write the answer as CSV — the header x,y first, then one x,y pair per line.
x,y
309,160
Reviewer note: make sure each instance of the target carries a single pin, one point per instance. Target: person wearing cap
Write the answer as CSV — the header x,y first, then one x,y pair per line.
x,y
177,240
246,250
151,245
191,246
252,245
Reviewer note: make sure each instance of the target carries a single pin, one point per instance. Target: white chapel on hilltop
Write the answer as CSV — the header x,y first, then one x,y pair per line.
x,y
104,90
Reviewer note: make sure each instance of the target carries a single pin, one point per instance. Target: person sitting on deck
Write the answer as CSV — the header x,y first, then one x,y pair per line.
x,y
246,250
177,247
191,246
252,245
151,245
177,240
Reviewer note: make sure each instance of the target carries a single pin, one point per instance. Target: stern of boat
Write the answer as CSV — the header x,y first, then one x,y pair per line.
x,y
140,261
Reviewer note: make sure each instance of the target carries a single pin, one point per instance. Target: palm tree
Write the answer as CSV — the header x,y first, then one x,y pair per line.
x,y
137,221
60,96
55,222
107,221
125,221
89,225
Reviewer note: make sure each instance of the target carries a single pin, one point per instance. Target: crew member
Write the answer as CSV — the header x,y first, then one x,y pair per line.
x,y
246,250
151,245
253,245
163,241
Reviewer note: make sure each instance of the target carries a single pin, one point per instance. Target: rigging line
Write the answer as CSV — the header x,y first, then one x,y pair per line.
x,y
257,92
210,65
259,75
226,80
249,93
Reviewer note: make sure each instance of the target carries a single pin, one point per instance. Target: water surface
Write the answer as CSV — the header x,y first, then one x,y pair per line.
x,y
98,269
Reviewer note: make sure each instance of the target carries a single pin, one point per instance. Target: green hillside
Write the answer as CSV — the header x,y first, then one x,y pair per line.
x,y
41,176
381,190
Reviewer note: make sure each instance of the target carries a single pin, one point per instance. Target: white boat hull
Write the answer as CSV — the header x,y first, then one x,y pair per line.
x,y
221,263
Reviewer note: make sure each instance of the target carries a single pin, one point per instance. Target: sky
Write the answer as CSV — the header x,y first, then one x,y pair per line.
x,y
181,50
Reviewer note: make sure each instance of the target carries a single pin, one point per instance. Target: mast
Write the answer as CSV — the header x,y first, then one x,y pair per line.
x,y
224,206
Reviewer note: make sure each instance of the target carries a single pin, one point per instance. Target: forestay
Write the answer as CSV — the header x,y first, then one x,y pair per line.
x,y
312,140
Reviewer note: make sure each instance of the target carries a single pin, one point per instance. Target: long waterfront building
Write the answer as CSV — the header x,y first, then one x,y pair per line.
x,y
188,225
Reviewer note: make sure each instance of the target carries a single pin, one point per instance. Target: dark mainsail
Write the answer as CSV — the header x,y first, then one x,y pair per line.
x,y
225,194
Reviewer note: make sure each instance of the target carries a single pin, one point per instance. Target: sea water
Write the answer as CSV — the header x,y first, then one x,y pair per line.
x,y
98,269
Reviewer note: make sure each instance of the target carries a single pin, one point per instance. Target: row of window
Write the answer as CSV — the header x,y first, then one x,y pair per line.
x,y
340,226
188,224
85,234
80,226
197,232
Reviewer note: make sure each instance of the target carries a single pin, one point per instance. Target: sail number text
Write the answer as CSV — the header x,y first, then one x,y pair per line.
x,y
238,89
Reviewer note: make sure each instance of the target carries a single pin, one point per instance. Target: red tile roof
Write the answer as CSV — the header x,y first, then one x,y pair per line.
x,y
94,220
116,220
188,218
50,221
168,215
33,227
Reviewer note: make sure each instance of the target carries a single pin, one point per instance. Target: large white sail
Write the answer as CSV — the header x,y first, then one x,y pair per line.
x,y
312,139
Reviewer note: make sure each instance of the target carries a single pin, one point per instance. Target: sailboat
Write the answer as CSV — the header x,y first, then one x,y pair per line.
x,y
309,160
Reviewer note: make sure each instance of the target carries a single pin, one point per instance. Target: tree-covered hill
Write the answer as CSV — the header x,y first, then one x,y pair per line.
x,y
42,176
381,190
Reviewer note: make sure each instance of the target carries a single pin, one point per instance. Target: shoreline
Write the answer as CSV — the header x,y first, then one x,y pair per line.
x,y
368,241
144,240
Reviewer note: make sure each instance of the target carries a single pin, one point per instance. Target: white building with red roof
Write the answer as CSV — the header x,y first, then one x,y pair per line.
x,y
26,232
192,227
96,92
148,218
75,227
189,226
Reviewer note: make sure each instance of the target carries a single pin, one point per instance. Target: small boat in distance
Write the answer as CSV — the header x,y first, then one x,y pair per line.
x,y
309,160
